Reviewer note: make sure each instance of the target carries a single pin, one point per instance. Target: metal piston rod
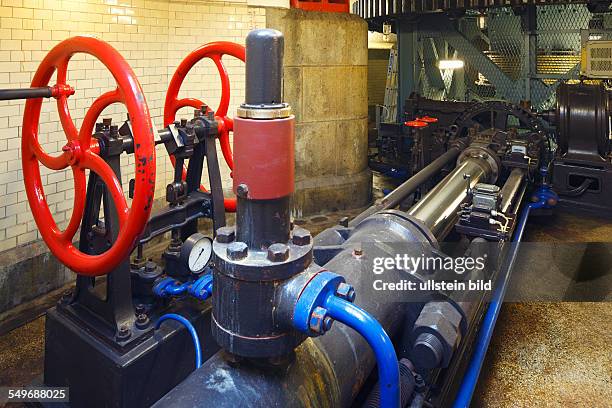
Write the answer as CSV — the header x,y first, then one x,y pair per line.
x,y
438,209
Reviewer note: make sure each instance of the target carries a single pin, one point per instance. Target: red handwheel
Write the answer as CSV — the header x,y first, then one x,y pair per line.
x,y
81,153
215,51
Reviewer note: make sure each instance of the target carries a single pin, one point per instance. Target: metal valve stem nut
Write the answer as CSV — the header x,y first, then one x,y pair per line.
x,y
237,250
278,252
319,321
225,235
346,292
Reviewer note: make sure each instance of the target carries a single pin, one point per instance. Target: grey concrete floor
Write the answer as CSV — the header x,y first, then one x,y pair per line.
x,y
543,354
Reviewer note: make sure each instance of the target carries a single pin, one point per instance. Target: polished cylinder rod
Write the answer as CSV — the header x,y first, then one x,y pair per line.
x,y
438,209
394,198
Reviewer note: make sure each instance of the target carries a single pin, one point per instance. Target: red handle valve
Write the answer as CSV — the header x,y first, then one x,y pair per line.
x,y
215,51
416,124
81,153
428,119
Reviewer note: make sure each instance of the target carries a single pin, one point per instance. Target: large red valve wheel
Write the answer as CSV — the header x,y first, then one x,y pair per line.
x,y
215,51
81,153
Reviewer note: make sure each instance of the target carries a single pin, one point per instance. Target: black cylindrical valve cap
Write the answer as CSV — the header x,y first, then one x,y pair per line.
x,y
264,68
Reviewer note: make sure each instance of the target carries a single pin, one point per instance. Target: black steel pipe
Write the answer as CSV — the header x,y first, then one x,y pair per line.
x,y
398,195
26,93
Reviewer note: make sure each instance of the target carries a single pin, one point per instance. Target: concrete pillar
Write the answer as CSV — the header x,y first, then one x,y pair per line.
x,y
325,81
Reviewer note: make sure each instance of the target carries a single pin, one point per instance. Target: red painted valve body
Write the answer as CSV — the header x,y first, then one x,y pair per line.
x,y
264,157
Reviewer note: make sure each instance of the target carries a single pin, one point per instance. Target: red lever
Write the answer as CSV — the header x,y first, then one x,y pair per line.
x,y
416,124
428,119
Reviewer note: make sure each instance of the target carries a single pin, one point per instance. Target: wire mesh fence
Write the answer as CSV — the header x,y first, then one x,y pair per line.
x,y
530,55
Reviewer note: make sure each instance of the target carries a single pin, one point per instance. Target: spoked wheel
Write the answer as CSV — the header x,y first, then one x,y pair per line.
x,y
215,51
81,153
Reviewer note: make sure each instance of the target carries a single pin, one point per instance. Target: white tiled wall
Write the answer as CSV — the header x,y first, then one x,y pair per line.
x,y
153,36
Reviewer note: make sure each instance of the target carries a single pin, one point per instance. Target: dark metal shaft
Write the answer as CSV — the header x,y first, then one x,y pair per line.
x,y
398,195
25,93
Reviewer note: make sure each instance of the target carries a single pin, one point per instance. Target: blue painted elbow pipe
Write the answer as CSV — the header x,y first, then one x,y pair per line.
x,y
386,359
546,198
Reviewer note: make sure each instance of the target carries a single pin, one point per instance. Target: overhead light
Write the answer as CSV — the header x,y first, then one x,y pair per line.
x,y
450,64
482,21
595,37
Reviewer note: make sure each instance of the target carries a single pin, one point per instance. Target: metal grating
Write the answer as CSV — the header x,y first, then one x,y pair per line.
x,y
513,56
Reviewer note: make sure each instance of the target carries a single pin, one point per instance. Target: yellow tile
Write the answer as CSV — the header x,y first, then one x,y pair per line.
x,y
31,45
21,34
23,12
32,24
10,22
6,11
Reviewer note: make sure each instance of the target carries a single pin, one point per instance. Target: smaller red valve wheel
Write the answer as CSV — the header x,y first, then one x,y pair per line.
x,y
215,51
416,124
81,153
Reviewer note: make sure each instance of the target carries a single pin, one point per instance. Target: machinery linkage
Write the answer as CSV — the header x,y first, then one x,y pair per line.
x,y
271,308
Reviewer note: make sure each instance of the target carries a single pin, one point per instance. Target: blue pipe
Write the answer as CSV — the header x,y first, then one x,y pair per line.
x,y
544,198
177,289
200,289
386,359
192,331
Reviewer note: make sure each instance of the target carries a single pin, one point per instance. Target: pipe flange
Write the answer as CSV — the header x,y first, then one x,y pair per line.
x,y
475,151
262,265
263,112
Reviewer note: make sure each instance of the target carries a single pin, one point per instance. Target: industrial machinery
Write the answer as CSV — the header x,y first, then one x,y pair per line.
x,y
106,328
271,315
582,169
403,149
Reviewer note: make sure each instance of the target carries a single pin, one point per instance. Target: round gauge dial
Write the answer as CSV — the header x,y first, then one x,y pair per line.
x,y
196,252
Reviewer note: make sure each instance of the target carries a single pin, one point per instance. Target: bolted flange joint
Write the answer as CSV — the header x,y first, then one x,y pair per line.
x,y
310,315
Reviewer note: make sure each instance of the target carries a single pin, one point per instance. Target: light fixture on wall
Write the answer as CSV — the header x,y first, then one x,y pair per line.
x,y
386,31
451,64
481,20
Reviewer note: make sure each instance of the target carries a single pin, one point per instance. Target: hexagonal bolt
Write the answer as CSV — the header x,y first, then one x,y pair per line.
x,y
278,252
225,235
346,292
237,250
319,321
124,332
142,321
301,237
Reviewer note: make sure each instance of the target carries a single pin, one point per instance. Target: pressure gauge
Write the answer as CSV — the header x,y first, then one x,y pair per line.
x,y
196,252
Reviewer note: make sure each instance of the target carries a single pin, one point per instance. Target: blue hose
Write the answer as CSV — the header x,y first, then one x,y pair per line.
x,y
546,199
192,331
386,359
